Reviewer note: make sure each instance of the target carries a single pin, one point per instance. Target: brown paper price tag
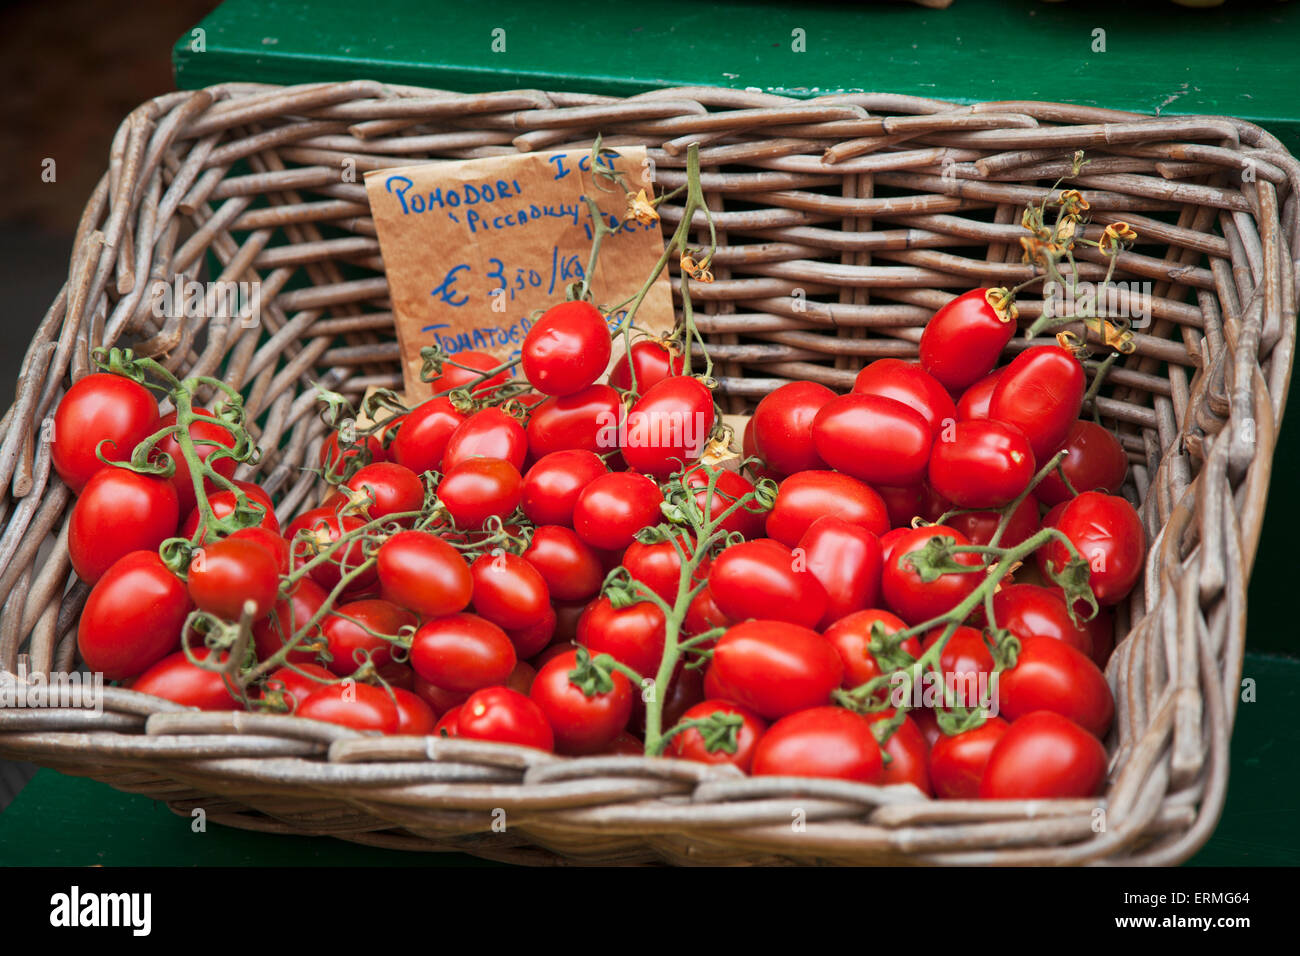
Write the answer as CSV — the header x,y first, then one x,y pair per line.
x,y
473,248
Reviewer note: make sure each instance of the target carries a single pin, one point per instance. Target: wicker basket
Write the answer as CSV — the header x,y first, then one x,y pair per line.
x,y
844,222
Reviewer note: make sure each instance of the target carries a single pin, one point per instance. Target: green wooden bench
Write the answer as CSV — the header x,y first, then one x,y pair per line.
x,y
1237,60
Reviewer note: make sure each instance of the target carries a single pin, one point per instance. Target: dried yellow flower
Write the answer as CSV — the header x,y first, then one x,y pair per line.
x,y
641,209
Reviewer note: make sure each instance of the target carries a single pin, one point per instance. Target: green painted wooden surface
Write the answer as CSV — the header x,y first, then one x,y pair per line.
x,y
1236,60
70,821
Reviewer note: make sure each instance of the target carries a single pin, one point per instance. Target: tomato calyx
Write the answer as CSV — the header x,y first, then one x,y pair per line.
x,y
938,558
591,675
887,648
719,731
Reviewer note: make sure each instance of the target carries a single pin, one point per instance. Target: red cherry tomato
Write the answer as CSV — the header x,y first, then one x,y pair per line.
x,y
877,439
438,699
902,503
449,723
393,488
118,512
668,427
209,437
987,464
1044,756
980,526
1051,675
909,753
728,488
914,600
691,745
422,572
509,591
1027,610
652,362
489,433
704,615
1040,393
1109,535
582,724
974,402
504,716
803,498
359,706
657,565
462,652
273,544
480,488
298,682
227,574
414,717
846,559
453,376
551,487
633,635
1094,461
913,386
423,433
851,636
174,678
536,636
964,339
957,763
567,349
775,668
353,630
820,742
614,507
965,670
314,532
291,614
765,579
100,408
570,568
224,503
783,427
133,616
587,420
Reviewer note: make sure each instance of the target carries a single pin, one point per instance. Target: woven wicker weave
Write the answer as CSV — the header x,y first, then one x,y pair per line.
x,y
844,222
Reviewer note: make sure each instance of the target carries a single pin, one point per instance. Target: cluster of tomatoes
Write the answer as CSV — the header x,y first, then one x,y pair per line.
x,y
572,568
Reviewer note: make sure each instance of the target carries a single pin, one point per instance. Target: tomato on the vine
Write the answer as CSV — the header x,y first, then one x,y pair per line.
x,y
820,742
765,579
567,349
690,744
231,573
846,559
652,363
133,617
915,600
1040,393
488,433
462,652
587,421
350,704
423,433
1108,534
1051,675
986,464
392,488
783,427
776,668
421,571
505,716
582,724
910,384
102,408
874,438
1044,756
570,568
551,487
964,339
1094,461
669,426
957,762
614,507
508,590
119,511
803,498
176,679
633,635
355,632
480,488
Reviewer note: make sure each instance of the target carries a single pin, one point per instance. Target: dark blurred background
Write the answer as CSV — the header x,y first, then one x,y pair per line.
x,y
71,71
